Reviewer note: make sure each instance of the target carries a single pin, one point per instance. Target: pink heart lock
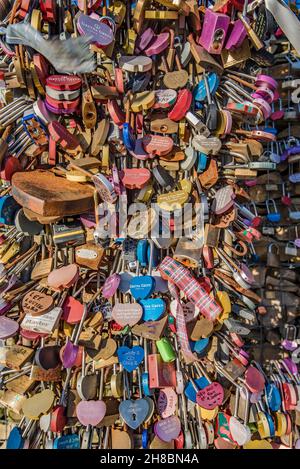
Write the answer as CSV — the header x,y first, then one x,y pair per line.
x,y
144,40
210,397
8,328
254,379
111,285
168,429
158,44
127,314
64,277
135,178
90,412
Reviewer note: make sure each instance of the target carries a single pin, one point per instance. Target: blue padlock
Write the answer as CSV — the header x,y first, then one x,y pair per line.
x,y
200,89
145,438
128,137
142,286
15,439
273,397
201,162
189,390
153,308
67,442
273,215
142,252
200,346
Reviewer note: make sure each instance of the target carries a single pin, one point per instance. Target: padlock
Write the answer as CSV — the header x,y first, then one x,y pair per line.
x,y
166,350
214,31
290,249
161,374
273,258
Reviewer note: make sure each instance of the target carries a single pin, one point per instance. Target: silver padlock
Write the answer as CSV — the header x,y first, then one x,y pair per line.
x,y
290,249
197,124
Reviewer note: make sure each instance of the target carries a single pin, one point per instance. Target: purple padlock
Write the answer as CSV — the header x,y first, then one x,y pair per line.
x,y
293,368
99,32
144,40
158,44
236,36
214,31
111,285
55,110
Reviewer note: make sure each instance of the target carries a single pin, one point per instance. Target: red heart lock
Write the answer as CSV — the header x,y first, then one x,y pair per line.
x,y
115,112
64,82
72,310
31,335
62,136
182,105
290,399
135,178
158,145
58,419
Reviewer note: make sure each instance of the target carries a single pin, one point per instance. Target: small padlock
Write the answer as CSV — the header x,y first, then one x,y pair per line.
x,y
290,249
273,256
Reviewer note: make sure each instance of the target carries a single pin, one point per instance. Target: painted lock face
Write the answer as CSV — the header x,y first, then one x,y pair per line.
x,y
153,309
71,441
130,358
100,33
142,287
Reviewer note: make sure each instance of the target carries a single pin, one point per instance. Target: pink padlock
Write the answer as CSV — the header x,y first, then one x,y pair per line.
x,y
264,93
266,81
236,36
264,106
214,31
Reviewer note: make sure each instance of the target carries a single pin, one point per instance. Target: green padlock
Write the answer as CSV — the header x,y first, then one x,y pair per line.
x,y
166,350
